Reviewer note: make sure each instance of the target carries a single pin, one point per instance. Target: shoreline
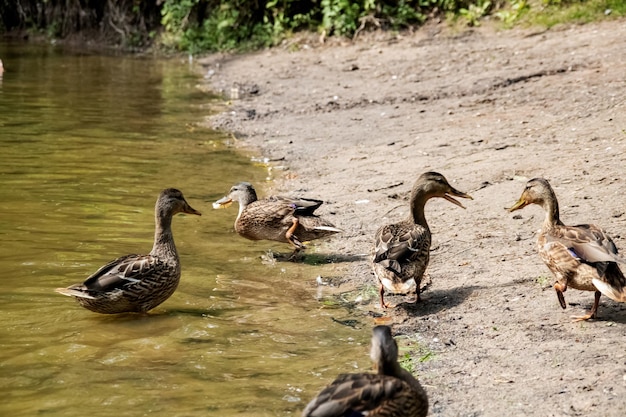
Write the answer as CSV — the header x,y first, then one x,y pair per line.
x,y
357,122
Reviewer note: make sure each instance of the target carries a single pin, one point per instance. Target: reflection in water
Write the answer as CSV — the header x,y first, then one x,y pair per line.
x,y
88,142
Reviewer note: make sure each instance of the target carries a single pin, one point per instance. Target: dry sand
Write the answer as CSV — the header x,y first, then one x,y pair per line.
x,y
357,122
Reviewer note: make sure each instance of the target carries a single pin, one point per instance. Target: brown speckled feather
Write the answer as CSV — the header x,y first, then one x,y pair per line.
x,y
578,255
269,219
402,249
401,255
583,257
273,217
392,392
378,395
588,241
137,283
132,283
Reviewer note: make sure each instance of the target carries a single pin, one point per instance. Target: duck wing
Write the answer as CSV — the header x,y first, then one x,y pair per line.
x,y
561,261
587,242
277,209
305,206
280,212
565,252
122,271
397,244
297,206
365,394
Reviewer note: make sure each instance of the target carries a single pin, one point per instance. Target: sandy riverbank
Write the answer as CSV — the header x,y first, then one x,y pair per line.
x,y
357,122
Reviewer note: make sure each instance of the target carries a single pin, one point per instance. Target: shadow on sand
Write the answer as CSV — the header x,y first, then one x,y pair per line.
x,y
432,302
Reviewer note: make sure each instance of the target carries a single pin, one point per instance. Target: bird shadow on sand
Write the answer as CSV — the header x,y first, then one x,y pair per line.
x,y
608,311
433,302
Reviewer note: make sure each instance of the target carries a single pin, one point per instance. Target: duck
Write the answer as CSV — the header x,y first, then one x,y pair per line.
x,y
276,218
391,391
402,249
138,283
583,257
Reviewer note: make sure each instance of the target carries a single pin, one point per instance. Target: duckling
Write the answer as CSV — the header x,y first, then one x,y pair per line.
x,y
583,257
281,219
138,283
402,250
391,392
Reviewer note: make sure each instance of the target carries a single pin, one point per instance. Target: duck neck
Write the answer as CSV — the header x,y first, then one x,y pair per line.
x,y
244,200
551,206
241,208
418,201
163,239
389,368
247,198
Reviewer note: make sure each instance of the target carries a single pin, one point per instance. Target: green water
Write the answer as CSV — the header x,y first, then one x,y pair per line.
x,y
87,142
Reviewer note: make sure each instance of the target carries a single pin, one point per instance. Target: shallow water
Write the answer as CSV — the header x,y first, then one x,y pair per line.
x,y
88,141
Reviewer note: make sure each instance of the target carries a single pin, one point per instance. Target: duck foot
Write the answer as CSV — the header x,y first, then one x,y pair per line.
x,y
291,238
296,255
384,305
583,318
594,309
381,291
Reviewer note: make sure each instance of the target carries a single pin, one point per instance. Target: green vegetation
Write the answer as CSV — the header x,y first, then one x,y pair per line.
x,y
214,25
549,13
412,352
543,280
475,11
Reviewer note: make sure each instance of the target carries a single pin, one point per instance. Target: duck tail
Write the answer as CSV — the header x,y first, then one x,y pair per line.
x,y
617,294
392,265
72,292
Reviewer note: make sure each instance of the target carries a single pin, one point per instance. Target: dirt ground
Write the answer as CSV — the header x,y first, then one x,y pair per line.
x,y
356,123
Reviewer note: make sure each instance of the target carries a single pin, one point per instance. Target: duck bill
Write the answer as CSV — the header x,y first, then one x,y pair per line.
x,y
521,203
190,210
456,193
223,202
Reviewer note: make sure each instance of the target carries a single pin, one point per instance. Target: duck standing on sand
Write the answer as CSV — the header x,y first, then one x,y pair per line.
x,y
391,392
402,250
583,257
138,283
281,219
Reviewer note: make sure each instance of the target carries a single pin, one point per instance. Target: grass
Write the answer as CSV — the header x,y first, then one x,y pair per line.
x,y
543,280
412,352
549,13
